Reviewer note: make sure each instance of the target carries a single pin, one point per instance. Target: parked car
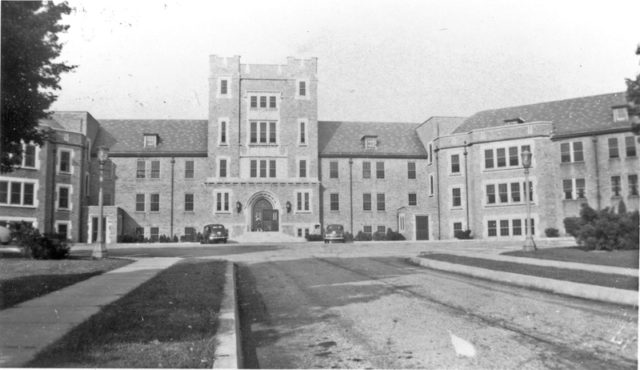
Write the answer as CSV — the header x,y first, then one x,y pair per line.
x,y
213,233
334,233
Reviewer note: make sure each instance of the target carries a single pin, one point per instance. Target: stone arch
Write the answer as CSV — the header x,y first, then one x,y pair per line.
x,y
268,212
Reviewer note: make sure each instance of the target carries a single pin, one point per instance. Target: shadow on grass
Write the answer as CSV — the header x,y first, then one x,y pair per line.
x,y
618,258
170,321
24,288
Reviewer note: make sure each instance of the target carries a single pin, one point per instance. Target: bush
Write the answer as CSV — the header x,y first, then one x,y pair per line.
x,y
130,238
551,232
463,234
392,235
313,237
348,237
572,226
48,246
361,236
605,229
379,235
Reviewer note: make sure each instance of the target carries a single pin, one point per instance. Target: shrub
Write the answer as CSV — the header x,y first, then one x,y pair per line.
x,y
605,229
362,236
175,238
130,238
38,246
572,225
313,237
392,235
463,234
379,235
348,237
551,232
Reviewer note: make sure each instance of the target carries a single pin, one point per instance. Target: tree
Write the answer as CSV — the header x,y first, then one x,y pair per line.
x,y
633,97
30,72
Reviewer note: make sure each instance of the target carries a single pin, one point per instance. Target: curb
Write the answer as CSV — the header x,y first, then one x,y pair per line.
x,y
228,354
593,292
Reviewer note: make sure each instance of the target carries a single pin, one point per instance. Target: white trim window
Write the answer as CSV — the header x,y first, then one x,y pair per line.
x,y
457,225
334,202
303,139
302,168
263,101
154,202
620,114
64,228
302,89
223,87
510,192
141,169
155,169
505,157
65,157
630,146
455,164
401,222
30,154
189,169
413,199
573,189
222,201
223,167
63,197
140,202
456,197
262,168
223,131
303,201
411,170
572,152
263,132
150,140
509,226
17,192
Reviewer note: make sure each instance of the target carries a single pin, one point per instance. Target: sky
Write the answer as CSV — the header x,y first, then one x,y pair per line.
x,y
378,60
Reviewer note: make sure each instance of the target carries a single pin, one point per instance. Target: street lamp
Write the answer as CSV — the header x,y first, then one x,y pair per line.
x,y
529,244
100,249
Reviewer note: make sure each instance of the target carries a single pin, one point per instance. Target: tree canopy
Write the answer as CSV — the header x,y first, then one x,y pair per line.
x,y
30,72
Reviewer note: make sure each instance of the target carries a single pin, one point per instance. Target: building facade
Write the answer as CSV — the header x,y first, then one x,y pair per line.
x,y
263,163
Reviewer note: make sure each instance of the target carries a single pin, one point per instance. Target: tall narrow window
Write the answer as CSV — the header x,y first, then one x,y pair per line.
x,y
303,201
413,199
224,88
565,152
263,168
380,170
530,190
253,101
302,88
578,152
303,132
567,188
222,201
272,132
491,194
501,157
366,170
488,158
492,228
188,169
431,187
4,192
411,170
154,205
580,188
503,193
615,186
303,168
272,102
188,202
630,143
380,201
263,102
140,169
333,169
633,184
254,132
28,194
334,200
504,227
139,202
455,163
154,233
366,202
613,148
63,197
515,191
223,167
65,161
16,193
456,197
516,225
155,169
223,132
272,168
263,132
513,156
253,168
29,156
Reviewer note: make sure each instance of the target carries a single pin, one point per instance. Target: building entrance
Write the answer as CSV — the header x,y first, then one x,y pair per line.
x,y
264,217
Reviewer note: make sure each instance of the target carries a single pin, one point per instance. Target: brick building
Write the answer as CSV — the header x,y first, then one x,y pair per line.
x,y
263,165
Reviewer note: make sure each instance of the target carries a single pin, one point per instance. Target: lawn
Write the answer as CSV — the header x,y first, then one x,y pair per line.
x,y
24,279
576,276
620,258
170,321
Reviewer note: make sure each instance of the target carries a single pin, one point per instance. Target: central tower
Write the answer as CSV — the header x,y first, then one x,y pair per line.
x,y
263,145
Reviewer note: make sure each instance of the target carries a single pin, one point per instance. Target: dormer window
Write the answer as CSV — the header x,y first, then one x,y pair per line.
x,y
620,114
370,142
150,140
513,121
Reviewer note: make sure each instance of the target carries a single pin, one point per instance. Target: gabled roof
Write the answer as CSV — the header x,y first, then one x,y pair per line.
x,y
175,136
444,125
345,139
569,117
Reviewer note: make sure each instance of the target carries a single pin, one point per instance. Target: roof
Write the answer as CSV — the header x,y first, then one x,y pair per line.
x,y
444,125
345,139
569,117
175,136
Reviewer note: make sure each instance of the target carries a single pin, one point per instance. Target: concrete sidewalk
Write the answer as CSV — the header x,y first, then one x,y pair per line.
x,y
33,325
587,291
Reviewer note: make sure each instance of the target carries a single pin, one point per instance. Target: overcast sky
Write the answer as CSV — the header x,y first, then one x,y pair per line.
x,y
377,60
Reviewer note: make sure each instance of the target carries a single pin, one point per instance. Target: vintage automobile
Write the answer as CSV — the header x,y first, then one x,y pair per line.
x,y
334,233
213,233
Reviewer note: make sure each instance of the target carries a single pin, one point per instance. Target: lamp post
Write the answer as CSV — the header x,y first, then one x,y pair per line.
x,y
529,244
100,249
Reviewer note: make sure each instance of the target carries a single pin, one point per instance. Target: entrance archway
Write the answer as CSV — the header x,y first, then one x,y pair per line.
x,y
263,216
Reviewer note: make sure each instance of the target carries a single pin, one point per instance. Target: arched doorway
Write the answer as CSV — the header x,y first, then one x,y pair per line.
x,y
263,216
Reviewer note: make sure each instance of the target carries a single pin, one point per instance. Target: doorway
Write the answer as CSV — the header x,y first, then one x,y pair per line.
x,y
264,217
422,227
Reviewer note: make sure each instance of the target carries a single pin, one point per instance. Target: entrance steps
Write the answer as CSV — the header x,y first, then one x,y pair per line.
x,y
267,237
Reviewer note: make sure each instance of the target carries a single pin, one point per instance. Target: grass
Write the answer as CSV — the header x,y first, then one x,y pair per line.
x,y
170,321
24,279
620,258
576,276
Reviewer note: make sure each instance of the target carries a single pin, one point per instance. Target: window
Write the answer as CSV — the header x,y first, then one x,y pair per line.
x,y
503,193
154,233
633,184
366,202
334,200
303,133
63,229
140,169
263,102
17,193
580,188
578,155
224,86
430,153
568,155
190,234
413,199
456,197
513,156
516,227
155,203
150,140
530,190
29,156
302,168
573,188
491,194
620,114
260,167
302,88
380,201
188,169
272,168
411,170
263,168
533,226
381,229
65,161
567,188
380,170
488,158
492,228
504,227
253,101
222,167
565,152
260,132
63,197
28,195
431,187
370,142
272,102
401,223
455,163
501,157
515,192
140,231
223,133
188,202
630,144
615,186
222,201
155,169
303,201
366,170
367,229
139,202
457,227
613,148
253,171
333,169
